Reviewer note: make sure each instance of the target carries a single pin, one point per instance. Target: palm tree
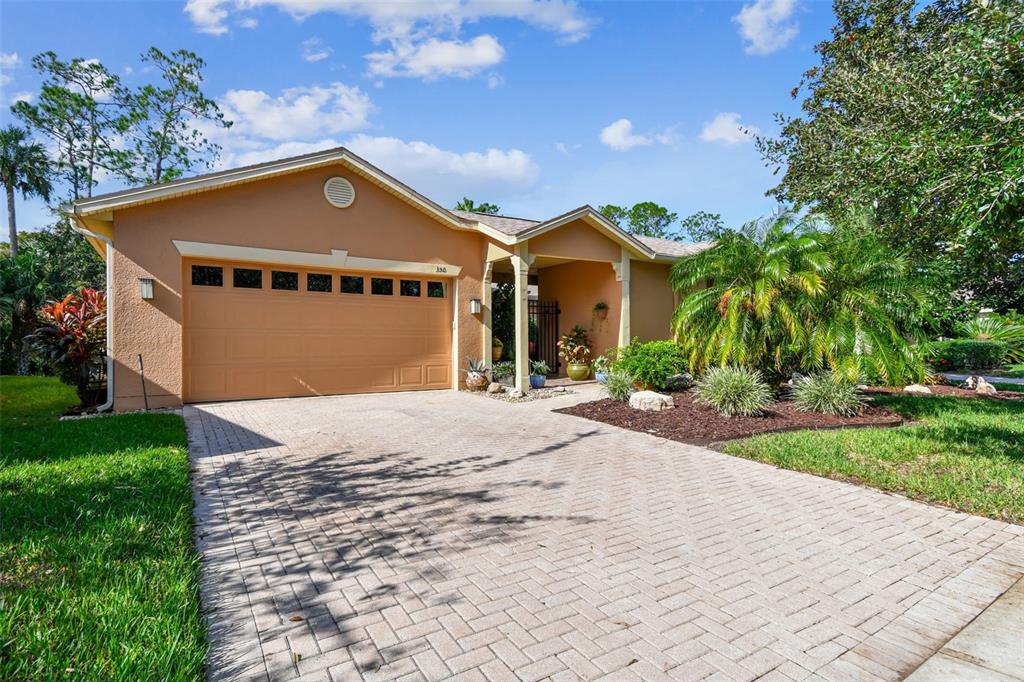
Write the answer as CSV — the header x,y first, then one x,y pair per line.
x,y
759,281
782,294
24,167
467,205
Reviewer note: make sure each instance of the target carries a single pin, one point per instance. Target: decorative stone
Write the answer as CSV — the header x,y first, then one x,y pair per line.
x,y
515,393
795,378
558,389
649,401
495,387
971,382
917,389
984,388
679,382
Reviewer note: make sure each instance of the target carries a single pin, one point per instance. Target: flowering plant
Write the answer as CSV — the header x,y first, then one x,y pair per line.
x,y
575,346
71,338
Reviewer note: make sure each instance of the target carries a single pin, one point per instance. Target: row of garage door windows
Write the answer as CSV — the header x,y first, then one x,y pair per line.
x,y
284,280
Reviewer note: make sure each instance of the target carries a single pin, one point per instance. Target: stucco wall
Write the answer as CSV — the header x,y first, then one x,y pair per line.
x,y
651,301
576,240
288,213
577,286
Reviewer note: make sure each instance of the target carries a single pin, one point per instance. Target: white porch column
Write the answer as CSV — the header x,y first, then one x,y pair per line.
x,y
521,272
622,275
485,295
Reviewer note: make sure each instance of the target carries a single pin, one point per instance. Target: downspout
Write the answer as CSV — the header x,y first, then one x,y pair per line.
x,y
109,262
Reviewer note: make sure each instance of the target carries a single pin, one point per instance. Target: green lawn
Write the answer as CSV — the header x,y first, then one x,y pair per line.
x,y
1016,371
98,574
965,453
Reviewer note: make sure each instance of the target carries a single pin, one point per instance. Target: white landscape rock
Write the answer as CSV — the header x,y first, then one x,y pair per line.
x,y
495,387
515,393
984,388
917,389
649,401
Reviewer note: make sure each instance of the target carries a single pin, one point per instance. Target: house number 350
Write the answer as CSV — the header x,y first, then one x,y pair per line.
x,y
441,268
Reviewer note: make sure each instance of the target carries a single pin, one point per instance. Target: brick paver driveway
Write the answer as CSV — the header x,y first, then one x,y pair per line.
x,y
422,536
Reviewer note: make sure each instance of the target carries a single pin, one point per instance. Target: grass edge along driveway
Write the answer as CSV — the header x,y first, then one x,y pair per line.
x,y
964,453
98,571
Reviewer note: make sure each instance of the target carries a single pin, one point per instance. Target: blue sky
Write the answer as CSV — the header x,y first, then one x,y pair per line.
x,y
536,106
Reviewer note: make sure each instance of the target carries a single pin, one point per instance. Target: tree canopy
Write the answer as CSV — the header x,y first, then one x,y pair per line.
x,y
646,219
467,205
916,113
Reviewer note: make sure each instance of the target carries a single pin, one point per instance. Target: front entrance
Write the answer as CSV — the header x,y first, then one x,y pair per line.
x,y
544,333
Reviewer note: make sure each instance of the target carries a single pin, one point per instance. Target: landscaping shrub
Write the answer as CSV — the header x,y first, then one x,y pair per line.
x,y
827,394
619,385
505,369
71,339
652,362
966,353
734,391
998,328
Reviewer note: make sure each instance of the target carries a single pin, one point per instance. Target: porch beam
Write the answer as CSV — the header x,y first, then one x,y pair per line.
x,y
521,273
486,295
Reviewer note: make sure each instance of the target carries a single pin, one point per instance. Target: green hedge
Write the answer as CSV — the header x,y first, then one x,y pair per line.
x,y
966,354
652,362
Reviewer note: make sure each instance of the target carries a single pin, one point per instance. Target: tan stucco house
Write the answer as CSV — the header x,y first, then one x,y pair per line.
x,y
321,274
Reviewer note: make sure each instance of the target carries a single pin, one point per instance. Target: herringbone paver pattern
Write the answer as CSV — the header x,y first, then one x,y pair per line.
x,y
440,535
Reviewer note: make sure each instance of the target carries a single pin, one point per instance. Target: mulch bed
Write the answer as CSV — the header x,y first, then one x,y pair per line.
x,y
955,391
698,424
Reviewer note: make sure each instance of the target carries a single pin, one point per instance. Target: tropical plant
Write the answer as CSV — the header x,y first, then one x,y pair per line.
x,y
475,366
828,394
966,354
467,204
539,368
784,295
603,363
619,385
652,362
998,329
71,338
734,391
503,370
24,168
575,347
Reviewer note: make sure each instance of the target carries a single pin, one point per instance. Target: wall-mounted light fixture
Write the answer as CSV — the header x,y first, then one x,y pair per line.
x,y
146,288
474,306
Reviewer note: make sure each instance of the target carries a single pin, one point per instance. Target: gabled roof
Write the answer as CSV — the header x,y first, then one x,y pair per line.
x,y
506,229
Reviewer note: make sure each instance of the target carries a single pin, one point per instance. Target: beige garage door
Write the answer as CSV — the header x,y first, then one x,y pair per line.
x,y
256,331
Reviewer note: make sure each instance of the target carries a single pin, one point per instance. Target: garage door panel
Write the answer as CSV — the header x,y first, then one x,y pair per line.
x,y
245,343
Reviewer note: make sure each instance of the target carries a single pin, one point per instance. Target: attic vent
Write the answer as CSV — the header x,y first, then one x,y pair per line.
x,y
339,192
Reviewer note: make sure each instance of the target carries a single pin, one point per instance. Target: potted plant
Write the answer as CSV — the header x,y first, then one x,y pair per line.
x,y
602,365
574,348
476,375
539,371
504,372
601,310
497,348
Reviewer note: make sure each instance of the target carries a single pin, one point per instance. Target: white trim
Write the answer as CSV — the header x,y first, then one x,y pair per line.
x,y
455,333
622,273
521,270
337,259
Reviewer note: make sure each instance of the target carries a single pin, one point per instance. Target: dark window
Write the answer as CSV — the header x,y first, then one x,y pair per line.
x,y
288,281
380,286
351,284
248,278
435,289
317,282
409,287
208,275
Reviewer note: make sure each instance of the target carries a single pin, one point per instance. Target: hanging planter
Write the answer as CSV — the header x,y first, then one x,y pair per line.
x,y
601,310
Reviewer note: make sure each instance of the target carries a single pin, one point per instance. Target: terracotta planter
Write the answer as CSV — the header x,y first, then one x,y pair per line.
x,y
601,313
476,382
578,371
496,352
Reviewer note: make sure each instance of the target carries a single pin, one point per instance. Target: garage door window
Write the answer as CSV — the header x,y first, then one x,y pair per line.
x,y
435,289
247,278
351,284
318,282
286,281
207,275
380,286
409,287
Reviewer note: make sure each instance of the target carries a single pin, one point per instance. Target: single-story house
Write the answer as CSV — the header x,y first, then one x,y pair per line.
x,y
321,274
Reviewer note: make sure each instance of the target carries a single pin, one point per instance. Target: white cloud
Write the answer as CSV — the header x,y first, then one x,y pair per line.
x,y
8,62
248,22
22,97
314,50
434,58
300,112
561,148
726,127
494,80
619,136
422,37
765,25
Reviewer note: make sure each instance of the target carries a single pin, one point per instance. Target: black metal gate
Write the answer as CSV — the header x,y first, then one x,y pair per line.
x,y
544,333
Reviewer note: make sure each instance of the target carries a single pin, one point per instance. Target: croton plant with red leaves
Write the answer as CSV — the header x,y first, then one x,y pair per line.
x,y
71,338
